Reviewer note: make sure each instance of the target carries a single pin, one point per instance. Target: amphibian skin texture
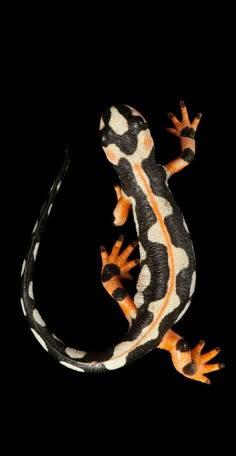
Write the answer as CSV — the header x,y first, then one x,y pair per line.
x,y
167,277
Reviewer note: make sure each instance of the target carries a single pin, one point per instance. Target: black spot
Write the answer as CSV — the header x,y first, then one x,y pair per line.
x,y
190,368
188,132
182,345
188,155
109,271
119,294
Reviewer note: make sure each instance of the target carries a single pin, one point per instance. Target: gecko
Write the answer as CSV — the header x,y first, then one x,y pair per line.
x,y
167,276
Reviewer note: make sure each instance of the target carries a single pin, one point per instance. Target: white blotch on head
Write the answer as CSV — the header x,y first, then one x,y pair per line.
x,y
73,353
37,317
181,259
39,339
144,278
71,366
193,283
35,226
117,122
23,306
36,247
30,290
49,209
183,311
23,268
58,185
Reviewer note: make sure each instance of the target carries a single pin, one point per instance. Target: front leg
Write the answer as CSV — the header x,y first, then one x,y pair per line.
x,y
121,211
186,132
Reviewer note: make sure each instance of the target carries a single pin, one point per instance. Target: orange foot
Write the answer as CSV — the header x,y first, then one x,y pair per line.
x,y
116,267
119,259
200,361
190,363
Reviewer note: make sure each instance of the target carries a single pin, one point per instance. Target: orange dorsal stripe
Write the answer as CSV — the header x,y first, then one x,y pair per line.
x,y
153,203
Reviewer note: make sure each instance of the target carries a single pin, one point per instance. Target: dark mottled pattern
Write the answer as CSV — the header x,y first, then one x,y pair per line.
x,y
180,237
157,258
109,271
187,154
190,368
188,132
141,350
182,345
119,294
127,142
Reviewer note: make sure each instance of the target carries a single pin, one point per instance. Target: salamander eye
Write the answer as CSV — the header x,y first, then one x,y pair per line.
x,y
137,123
103,138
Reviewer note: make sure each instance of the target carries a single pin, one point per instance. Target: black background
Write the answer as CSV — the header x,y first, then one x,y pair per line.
x,y
61,74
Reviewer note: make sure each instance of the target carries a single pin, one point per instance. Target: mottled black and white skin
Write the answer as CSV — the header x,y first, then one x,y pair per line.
x,y
167,275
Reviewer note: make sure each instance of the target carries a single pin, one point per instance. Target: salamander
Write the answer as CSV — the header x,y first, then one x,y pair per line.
x,y
167,277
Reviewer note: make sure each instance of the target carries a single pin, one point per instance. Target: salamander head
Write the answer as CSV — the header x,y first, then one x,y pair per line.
x,y
124,133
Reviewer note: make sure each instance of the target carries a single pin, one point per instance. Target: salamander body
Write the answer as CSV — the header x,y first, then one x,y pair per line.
x,y
167,277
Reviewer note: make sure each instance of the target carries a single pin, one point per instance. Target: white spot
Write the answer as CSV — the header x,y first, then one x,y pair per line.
x,y
181,259
113,153
117,122
143,254
49,209
143,279
36,247
73,353
101,125
23,268
39,339
38,318
139,299
156,234
71,366
23,306
57,338
183,311
35,226
156,306
30,290
193,283
119,355
185,225
164,206
58,186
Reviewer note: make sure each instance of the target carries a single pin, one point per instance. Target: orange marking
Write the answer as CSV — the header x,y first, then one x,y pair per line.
x,y
128,307
171,285
110,155
148,142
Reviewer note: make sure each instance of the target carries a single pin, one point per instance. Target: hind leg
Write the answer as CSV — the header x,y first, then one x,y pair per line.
x,y
190,363
116,267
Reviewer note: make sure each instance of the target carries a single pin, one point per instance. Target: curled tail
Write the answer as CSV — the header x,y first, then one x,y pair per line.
x,y
75,359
